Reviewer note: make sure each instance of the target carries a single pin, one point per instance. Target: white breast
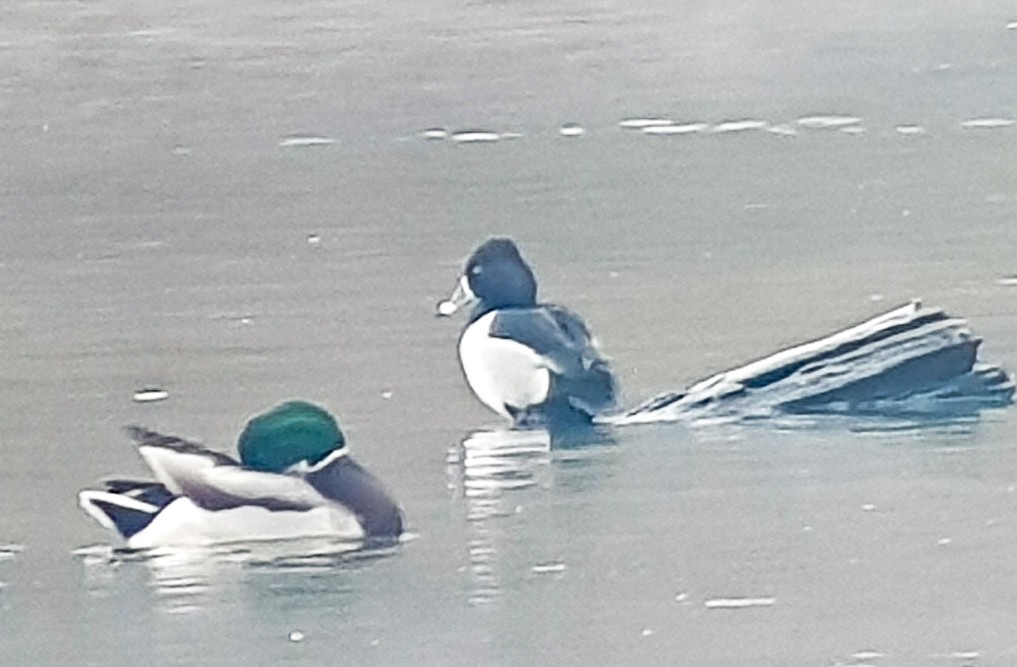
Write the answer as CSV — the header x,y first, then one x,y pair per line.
x,y
502,372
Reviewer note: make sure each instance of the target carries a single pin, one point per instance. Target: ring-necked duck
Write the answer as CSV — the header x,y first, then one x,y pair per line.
x,y
530,362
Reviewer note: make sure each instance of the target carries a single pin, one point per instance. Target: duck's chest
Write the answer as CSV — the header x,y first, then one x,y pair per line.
x,y
503,373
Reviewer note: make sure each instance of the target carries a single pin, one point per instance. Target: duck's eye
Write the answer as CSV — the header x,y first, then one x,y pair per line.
x,y
476,271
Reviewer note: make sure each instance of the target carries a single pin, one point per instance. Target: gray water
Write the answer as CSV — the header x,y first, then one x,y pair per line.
x,y
158,205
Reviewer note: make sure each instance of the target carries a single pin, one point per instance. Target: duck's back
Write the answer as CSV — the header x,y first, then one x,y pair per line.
x,y
581,377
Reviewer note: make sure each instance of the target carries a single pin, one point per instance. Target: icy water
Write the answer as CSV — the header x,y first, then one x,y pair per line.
x,y
240,203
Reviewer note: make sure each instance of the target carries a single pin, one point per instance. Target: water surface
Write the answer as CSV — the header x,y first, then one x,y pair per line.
x,y
235,204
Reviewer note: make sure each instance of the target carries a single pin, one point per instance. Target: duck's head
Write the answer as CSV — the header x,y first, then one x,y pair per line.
x,y
495,276
294,433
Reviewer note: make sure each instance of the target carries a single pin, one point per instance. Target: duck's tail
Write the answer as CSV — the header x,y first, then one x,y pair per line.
x,y
125,507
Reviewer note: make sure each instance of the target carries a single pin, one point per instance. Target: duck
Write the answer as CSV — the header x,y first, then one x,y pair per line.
x,y
295,478
532,363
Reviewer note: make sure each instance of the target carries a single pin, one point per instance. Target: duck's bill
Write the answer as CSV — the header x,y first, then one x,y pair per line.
x,y
461,296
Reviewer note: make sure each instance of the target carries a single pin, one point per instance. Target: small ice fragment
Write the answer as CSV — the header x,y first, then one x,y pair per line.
x,y
375,642
313,239
853,129
866,655
446,308
296,636
681,597
434,133
807,528
150,395
571,130
181,150
876,297
828,122
1012,25
297,141
547,568
684,128
643,123
387,394
1009,281
739,125
905,213
475,136
739,603
647,632
987,123
910,130
868,507
944,541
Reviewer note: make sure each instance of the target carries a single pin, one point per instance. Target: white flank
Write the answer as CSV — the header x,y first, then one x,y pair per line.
x,y
502,372
182,523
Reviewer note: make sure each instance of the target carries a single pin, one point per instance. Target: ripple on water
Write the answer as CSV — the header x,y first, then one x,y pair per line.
x,y
304,141
910,130
643,123
739,603
150,395
571,130
987,123
830,122
434,133
676,128
549,567
476,137
743,125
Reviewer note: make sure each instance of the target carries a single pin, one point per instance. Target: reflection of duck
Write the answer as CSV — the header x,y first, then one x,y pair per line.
x,y
530,362
911,360
295,479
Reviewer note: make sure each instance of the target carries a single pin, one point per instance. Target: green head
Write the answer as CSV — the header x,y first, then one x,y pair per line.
x,y
287,434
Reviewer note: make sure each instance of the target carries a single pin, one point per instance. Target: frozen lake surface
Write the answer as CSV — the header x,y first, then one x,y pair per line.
x,y
207,208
